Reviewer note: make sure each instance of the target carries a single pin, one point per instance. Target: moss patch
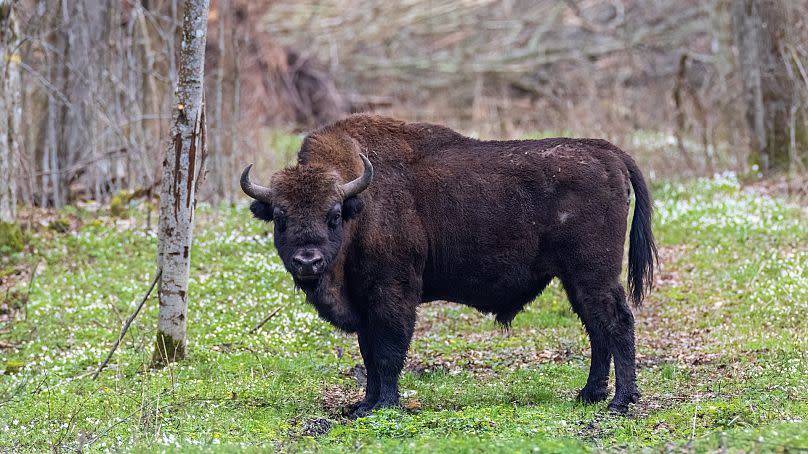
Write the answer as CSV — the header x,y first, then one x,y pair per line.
x,y
119,204
11,237
167,350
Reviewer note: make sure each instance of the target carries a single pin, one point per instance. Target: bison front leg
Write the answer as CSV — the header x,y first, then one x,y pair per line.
x,y
391,343
384,340
363,407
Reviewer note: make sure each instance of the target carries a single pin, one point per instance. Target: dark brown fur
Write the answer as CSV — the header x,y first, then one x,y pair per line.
x,y
483,223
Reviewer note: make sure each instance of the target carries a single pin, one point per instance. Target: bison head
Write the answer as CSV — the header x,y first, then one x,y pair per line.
x,y
309,205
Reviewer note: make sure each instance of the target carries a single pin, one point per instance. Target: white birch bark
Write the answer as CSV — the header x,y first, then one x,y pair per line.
x,y
182,167
10,111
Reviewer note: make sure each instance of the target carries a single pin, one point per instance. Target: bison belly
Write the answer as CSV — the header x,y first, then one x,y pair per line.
x,y
496,268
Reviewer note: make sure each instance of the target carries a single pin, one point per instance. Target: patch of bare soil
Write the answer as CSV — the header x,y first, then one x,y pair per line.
x,y
47,220
485,361
669,339
794,187
337,400
15,284
315,427
680,340
5,345
668,272
310,427
482,361
431,316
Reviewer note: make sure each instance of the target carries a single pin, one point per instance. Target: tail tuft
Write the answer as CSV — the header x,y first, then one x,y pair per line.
x,y
642,251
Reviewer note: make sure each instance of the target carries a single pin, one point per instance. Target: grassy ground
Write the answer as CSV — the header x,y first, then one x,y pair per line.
x,y
722,348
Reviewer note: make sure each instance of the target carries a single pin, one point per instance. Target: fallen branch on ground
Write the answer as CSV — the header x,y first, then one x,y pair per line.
x,y
265,320
126,325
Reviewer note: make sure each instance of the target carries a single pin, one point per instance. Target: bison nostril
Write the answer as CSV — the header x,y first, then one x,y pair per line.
x,y
308,261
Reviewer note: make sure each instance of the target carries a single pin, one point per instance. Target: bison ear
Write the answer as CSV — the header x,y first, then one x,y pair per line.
x,y
351,207
262,210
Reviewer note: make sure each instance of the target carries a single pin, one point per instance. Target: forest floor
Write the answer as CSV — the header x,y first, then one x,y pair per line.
x,y
722,347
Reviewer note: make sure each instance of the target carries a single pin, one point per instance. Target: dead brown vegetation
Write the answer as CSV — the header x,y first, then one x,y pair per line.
x,y
661,79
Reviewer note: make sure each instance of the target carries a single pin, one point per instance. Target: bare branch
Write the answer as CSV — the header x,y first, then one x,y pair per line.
x,y
126,325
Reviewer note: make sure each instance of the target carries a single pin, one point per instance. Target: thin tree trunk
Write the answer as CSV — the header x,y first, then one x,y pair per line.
x,y
10,110
235,114
218,139
761,29
151,98
182,167
57,108
50,170
678,102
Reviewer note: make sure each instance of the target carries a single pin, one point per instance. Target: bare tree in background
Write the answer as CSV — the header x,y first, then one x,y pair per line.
x,y
98,77
220,178
182,169
761,29
10,110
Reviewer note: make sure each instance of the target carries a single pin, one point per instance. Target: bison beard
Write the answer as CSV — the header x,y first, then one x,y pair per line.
x,y
483,223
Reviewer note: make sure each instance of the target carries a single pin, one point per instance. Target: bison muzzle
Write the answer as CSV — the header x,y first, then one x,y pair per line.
x,y
379,216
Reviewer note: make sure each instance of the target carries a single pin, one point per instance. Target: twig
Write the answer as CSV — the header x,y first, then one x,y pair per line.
x,y
265,320
30,286
126,325
129,416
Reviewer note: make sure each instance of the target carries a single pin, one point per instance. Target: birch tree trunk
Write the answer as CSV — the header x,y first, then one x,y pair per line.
x,y
182,168
10,110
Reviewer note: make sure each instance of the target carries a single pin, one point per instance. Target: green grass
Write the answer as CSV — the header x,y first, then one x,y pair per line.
x,y
721,347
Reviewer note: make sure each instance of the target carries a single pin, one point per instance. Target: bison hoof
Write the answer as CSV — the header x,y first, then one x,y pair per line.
x,y
385,404
620,403
359,412
359,409
363,408
592,395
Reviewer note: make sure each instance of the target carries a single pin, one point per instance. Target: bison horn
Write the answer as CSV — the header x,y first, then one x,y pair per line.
x,y
255,191
358,185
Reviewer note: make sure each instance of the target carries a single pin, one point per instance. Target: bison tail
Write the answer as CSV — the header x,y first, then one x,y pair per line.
x,y
642,252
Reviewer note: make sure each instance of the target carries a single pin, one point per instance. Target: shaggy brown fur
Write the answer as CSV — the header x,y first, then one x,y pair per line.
x,y
483,223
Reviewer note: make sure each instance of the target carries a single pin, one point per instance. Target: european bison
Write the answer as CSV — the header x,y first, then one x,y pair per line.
x,y
440,216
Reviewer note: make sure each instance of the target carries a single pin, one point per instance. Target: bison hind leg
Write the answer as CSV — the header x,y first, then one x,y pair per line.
x,y
610,325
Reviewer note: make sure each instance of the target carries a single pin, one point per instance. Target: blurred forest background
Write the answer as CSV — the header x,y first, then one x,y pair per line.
x,y
704,85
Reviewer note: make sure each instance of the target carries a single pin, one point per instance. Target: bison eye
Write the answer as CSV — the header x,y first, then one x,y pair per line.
x,y
334,218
